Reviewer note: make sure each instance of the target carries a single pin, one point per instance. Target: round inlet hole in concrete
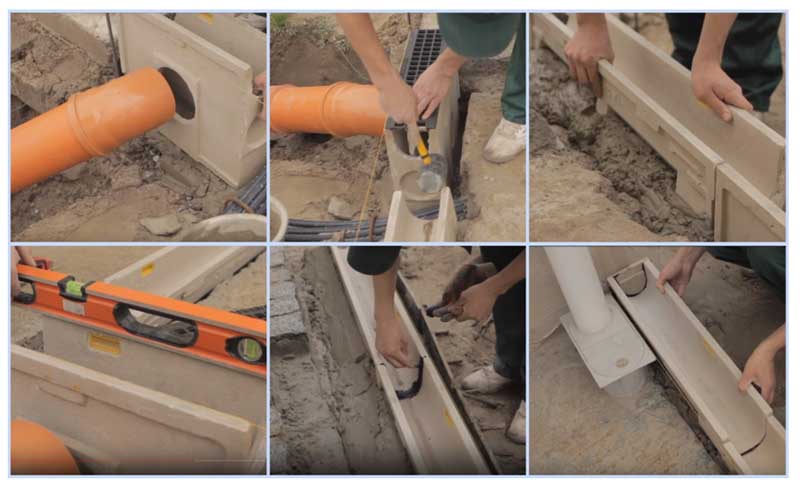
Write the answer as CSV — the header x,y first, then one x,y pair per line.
x,y
184,101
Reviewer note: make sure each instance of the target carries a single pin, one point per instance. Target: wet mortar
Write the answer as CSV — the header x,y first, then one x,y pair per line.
x,y
333,417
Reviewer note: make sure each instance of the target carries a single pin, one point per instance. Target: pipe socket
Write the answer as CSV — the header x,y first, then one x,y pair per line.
x,y
36,450
90,124
342,109
580,284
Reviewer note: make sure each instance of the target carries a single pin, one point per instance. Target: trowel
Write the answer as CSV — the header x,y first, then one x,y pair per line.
x,y
433,173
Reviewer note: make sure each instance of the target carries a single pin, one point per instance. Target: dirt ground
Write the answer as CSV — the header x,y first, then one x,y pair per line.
x,y
583,430
593,178
105,198
307,170
332,386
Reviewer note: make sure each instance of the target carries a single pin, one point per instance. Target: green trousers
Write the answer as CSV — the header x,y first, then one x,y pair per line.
x,y
486,35
752,55
769,262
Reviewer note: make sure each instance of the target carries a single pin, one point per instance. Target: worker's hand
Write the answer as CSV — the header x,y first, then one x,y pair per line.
x,y
434,83
760,370
19,254
391,341
475,303
398,100
588,46
468,275
717,90
260,83
678,270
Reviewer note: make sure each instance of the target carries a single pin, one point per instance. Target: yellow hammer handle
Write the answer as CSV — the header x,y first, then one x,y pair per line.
x,y
423,152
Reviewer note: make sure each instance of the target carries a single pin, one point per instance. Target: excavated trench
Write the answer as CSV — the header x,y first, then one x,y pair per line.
x,y
328,414
572,145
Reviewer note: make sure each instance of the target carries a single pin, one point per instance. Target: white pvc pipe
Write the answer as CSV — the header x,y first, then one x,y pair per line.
x,y
577,277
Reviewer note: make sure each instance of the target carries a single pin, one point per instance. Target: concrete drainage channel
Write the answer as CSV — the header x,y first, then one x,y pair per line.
x,y
328,412
677,175
688,399
91,381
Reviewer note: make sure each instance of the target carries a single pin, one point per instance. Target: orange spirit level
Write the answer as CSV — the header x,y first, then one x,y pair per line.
x,y
217,336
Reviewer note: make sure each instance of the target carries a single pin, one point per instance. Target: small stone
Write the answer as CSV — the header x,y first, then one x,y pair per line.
x,y
74,173
339,208
276,257
201,190
128,176
189,219
183,172
354,143
163,225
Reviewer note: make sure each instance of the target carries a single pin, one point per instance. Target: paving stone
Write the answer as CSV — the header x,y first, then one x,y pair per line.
x,y
287,325
282,290
279,274
283,305
275,423
287,335
278,457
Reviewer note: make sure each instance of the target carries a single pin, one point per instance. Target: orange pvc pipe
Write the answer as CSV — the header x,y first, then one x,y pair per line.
x,y
89,124
342,109
36,450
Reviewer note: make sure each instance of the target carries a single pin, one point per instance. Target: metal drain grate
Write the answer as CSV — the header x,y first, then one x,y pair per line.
x,y
424,46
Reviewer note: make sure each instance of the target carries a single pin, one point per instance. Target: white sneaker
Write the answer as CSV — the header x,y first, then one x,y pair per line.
x,y
516,432
507,140
485,380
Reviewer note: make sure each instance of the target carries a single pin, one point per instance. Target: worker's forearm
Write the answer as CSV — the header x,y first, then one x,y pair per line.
x,y
506,278
591,20
451,61
383,287
691,254
716,28
25,256
775,341
362,36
